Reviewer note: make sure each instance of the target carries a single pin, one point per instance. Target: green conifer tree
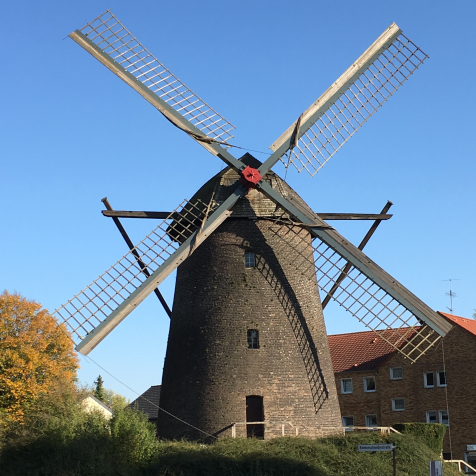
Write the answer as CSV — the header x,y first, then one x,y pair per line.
x,y
99,391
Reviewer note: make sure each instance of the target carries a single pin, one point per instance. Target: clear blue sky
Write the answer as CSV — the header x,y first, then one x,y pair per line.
x,y
72,133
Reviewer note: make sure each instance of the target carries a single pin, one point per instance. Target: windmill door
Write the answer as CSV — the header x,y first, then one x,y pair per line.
x,y
254,413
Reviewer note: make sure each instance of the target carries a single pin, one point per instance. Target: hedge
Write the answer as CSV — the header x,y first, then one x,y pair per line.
x,y
432,434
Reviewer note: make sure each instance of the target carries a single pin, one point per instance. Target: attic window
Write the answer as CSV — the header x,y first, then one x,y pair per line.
x,y
250,261
253,339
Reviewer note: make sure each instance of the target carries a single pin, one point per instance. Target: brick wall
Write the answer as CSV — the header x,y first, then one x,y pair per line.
x,y
460,358
209,369
359,403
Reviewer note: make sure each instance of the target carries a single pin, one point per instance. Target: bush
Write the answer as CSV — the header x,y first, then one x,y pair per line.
x,y
133,437
431,434
63,440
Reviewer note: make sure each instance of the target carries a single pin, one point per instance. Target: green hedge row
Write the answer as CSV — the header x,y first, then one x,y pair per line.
x,y
432,434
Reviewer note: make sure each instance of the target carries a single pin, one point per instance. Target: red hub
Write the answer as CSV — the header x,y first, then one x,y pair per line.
x,y
250,177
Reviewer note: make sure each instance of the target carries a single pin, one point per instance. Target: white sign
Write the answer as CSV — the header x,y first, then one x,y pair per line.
x,y
470,447
436,468
388,447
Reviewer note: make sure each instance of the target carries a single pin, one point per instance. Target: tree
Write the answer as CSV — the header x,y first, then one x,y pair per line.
x,y
115,401
99,391
36,356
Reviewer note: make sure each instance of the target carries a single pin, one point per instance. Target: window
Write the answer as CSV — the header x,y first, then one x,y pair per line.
x,y
369,384
443,417
447,456
253,339
396,373
348,421
346,385
431,417
470,458
441,379
370,420
398,404
428,380
250,261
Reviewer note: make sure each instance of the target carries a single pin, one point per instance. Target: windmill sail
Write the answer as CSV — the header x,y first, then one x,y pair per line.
x,y
368,292
93,313
332,120
362,297
110,42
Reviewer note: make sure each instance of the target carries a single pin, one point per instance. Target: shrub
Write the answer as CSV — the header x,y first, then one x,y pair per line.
x,y
432,434
133,437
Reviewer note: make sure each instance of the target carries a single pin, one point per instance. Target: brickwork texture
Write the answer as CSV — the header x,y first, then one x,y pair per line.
x,y
459,350
209,369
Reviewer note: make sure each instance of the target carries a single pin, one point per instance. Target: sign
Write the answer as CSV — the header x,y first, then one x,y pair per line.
x,y
470,447
386,447
436,468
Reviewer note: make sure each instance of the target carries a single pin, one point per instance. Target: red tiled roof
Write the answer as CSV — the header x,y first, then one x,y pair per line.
x,y
362,351
468,324
359,351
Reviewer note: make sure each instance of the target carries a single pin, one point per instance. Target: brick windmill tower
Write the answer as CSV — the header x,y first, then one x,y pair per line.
x,y
247,352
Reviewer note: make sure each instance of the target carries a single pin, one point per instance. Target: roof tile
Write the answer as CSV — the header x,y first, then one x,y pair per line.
x,y
360,351
148,402
468,324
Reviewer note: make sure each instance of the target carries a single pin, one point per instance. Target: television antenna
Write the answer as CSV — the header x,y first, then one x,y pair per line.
x,y
451,294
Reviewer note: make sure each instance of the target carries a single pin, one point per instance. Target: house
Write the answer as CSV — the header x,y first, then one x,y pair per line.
x,y
378,386
91,403
148,402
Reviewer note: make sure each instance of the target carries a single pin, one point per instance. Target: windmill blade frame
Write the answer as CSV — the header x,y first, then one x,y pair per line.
x,y
337,253
348,103
115,47
94,312
102,38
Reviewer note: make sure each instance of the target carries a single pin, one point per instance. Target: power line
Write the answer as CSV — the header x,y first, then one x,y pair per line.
x,y
131,389
147,400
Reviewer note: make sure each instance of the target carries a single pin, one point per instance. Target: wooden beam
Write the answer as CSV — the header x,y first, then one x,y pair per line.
x,y
354,216
136,254
133,214
323,216
347,267
105,327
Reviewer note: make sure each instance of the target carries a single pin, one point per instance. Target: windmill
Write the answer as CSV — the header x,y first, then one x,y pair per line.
x,y
247,341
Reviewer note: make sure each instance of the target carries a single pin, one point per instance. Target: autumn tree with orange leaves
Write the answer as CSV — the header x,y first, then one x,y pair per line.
x,y
36,356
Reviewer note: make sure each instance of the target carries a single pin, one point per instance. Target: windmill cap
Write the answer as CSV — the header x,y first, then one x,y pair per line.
x,y
254,204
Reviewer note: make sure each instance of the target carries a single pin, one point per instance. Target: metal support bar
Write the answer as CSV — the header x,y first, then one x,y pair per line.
x,y
361,247
354,216
136,254
320,229
132,214
394,461
167,267
323,216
